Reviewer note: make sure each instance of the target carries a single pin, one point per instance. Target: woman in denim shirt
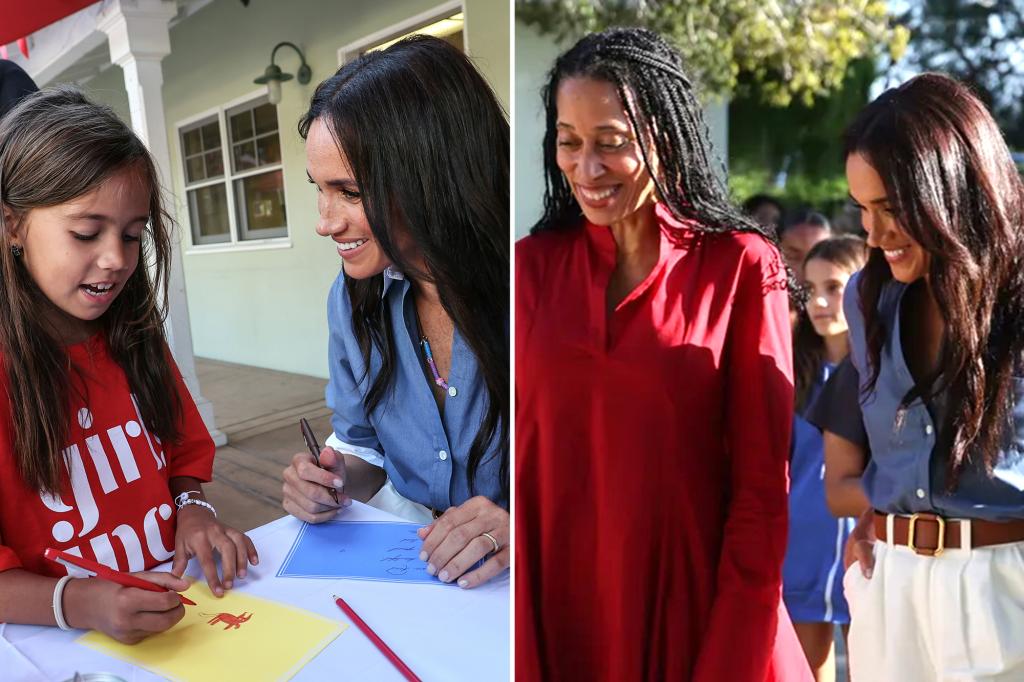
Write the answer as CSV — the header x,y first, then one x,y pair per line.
x,y
937,332
409,150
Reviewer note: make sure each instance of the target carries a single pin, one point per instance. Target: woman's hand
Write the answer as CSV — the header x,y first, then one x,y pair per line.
x,y
454,543
307,487
861,543
127,614
198,534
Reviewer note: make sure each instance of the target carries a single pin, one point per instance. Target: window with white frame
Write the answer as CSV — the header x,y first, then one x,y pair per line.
x,y
445,21
234,184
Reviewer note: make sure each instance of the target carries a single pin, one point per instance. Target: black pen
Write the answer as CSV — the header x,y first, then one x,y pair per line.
x,y
314,449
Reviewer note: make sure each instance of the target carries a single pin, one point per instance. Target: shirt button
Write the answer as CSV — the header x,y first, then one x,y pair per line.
x,y
443,455
452,391
920,493
928,429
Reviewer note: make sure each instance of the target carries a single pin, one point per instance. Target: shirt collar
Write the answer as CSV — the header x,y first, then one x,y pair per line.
x,y
391,275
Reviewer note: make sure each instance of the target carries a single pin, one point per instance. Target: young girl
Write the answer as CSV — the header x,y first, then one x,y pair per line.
x,y
811,575
937,336
99,438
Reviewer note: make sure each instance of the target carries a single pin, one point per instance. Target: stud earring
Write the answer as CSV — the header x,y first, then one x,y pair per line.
x,y
16,250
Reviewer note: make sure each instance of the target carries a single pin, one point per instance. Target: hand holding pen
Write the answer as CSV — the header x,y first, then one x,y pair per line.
x,y
314,482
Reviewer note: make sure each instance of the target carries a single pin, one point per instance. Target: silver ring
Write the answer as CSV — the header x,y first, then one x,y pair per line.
x,y
493,541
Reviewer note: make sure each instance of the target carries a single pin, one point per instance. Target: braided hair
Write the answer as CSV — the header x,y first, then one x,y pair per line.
x,y
659,100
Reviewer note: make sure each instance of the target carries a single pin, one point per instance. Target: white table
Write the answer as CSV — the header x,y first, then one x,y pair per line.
x,y
441,632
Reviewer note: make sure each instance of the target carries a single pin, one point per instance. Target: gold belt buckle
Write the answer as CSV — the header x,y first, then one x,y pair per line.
x,y
940,543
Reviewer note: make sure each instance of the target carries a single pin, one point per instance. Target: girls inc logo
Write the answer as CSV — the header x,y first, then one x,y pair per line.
x,y
124,440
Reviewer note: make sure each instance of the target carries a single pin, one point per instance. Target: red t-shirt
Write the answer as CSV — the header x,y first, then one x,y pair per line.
x,y
115,504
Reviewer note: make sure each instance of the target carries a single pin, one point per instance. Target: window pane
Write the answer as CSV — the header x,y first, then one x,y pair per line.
x,y
194,167
266,118
193,145
244,156
241,126
269,149
259,200
214,164
208,211
211,136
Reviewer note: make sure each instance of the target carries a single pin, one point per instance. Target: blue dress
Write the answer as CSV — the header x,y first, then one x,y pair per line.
x,y
812,585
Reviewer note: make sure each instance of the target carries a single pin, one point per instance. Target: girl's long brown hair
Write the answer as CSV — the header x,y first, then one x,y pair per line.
x,y
849,253
954,189
56,146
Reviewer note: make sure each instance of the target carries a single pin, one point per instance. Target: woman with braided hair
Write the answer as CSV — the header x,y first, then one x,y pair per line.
x,y
654,392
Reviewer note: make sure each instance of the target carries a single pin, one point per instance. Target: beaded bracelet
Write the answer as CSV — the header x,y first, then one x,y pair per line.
x,y
201,503
185,499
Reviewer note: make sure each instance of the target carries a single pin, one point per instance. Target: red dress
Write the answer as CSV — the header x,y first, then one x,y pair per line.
x,y
651,454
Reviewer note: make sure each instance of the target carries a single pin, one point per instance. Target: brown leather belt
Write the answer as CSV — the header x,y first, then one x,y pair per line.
x,y
930,534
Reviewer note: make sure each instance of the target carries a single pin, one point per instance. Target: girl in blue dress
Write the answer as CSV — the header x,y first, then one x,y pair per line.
x,y
812,572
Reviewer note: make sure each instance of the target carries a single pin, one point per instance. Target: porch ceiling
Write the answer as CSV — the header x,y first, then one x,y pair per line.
x,y
71,49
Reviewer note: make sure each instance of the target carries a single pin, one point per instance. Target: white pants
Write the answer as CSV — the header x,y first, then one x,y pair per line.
x,y
957,617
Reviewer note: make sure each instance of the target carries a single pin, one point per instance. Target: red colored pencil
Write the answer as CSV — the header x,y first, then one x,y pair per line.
x,y
378,642
107,573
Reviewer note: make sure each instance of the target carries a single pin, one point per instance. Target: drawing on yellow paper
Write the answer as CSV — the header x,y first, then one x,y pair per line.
x,y
230,620
260,640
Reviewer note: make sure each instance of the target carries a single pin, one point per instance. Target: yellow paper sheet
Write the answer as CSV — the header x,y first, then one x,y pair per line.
x,y
237,637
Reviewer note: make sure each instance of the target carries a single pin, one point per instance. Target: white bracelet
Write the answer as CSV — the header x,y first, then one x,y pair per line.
x,y
201,503
180,498
58,603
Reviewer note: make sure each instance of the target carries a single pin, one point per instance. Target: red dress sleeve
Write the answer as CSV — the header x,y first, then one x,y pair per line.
x,y
758,418
192,454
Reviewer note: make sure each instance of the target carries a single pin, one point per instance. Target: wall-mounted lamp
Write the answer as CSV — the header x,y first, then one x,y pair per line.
x,y
273,76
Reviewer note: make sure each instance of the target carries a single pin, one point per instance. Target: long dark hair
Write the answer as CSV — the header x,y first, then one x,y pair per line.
x,y
428,144
955,190
849,253
56,146
659,101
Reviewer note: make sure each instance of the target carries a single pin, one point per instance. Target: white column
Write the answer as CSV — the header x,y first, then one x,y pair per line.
x,y
139,39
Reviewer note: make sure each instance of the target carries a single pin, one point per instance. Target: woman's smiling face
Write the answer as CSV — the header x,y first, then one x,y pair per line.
x,y
907,259
599,153
340,204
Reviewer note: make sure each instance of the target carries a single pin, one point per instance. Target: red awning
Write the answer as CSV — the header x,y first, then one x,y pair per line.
x,y
19,18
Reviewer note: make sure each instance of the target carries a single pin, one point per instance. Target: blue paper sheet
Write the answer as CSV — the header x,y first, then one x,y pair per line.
x,y
363,550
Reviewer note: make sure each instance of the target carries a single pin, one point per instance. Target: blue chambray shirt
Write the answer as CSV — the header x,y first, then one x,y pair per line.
x,y
423,454
905,474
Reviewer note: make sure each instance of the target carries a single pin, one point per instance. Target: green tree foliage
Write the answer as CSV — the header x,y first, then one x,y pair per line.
x,y
980,42
780,49
803,142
